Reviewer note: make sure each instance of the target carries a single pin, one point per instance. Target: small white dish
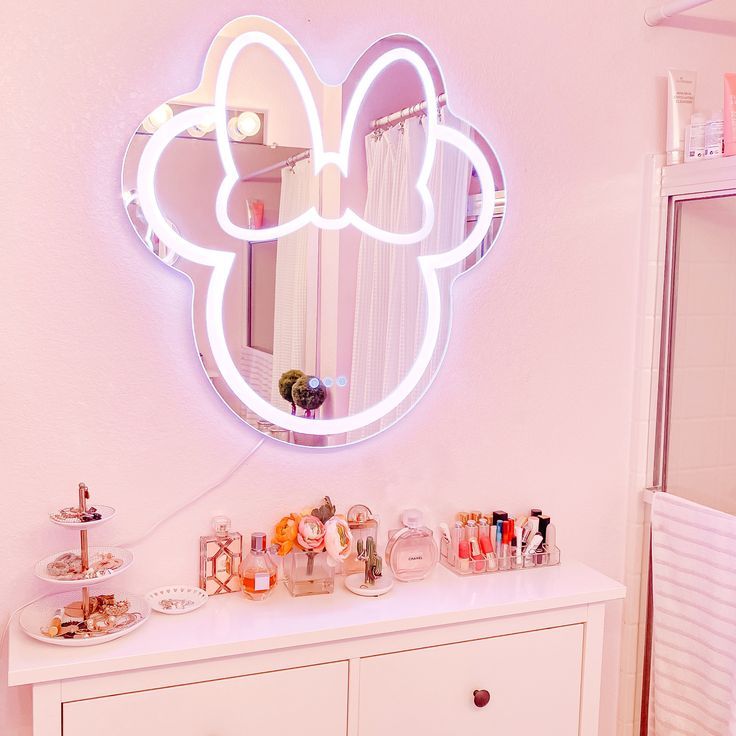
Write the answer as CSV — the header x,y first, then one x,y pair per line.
x,y
355,583
41,568
176,599
37,616
107,512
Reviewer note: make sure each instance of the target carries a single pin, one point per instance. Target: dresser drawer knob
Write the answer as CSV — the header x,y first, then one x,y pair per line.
x,y
481,698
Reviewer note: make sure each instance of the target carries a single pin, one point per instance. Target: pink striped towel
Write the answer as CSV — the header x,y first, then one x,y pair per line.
x,y
694,641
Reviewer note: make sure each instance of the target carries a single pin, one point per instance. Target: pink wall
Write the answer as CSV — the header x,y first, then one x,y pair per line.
x,y
100,381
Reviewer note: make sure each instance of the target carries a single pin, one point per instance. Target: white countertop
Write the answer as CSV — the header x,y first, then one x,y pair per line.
x,y
230,624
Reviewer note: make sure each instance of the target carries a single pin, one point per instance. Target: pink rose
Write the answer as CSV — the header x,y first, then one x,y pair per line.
x,y
338,538
311,535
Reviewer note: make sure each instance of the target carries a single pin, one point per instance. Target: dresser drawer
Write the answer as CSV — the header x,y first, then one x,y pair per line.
x,y
230,707
533,680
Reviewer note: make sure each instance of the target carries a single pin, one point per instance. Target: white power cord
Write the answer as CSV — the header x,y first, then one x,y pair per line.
x,y
196,498
147,533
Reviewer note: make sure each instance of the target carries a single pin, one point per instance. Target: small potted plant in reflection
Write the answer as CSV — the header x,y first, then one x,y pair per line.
x,y
286,383
308,393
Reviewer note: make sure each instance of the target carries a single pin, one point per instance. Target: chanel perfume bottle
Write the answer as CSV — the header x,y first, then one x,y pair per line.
x,y
219,558
258,570
362,525
411,551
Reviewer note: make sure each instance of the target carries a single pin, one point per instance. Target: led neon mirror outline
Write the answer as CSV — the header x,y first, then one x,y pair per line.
x,y
221,262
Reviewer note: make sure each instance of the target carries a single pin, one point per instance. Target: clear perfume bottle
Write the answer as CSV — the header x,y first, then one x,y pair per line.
x,y
258,571
411,551
362,525
220,555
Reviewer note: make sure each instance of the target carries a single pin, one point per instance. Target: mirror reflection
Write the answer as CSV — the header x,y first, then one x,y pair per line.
x,y
321,323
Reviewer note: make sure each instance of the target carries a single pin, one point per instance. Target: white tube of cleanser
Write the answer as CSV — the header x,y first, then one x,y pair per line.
x,y
680,102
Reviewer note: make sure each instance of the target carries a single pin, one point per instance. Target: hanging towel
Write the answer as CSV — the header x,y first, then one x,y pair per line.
x,y
694,625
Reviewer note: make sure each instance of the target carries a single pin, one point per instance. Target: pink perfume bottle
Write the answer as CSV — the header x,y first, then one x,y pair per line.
x,y
411,551
219,558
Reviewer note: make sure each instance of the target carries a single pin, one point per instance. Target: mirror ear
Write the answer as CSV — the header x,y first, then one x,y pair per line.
x,y
390,102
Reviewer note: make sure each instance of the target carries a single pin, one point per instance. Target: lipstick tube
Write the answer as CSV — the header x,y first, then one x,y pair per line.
x,y
463,557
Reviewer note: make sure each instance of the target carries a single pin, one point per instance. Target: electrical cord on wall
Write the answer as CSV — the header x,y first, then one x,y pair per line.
x,y
151,529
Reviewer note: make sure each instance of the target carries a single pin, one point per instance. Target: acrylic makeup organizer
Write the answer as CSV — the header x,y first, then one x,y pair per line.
x,y
544,556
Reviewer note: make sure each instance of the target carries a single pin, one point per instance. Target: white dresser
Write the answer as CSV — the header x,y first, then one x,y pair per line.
x,y
424,659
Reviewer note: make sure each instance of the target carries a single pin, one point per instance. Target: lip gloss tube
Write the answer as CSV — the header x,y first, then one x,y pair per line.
x,y
519,534
499,539
478,560
456,534
471,530
504,561
486,548
542,557
531,549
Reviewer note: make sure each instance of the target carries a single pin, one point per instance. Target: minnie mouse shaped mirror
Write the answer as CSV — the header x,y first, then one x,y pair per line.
x,y
321,226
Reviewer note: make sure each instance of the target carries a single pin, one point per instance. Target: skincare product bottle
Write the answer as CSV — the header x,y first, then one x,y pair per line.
x,y
258,570
729,114
695,138
680,101
714,136
411,551
220,555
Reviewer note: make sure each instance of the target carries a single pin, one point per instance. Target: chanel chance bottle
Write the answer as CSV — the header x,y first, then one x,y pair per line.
x,y
411,551
219,558
258,570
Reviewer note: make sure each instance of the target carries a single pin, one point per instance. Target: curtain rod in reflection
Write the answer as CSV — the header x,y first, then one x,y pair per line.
x,y
408,112
287,162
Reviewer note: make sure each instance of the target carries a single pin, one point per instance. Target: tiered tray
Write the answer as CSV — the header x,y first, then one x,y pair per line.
x,y
77,618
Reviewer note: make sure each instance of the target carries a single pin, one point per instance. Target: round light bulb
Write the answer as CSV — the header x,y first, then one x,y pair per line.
x,y
201,129
158,117
248,123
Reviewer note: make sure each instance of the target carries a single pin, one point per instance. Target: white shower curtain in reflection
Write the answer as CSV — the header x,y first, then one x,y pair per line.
x,y
390,308
299,192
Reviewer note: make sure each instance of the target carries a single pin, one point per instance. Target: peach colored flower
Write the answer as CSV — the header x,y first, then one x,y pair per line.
x,y
285,533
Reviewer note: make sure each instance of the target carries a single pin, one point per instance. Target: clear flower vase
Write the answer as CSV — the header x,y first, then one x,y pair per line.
x,y
309,573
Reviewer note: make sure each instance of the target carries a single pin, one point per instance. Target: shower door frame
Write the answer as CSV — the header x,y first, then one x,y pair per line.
x,y
715,178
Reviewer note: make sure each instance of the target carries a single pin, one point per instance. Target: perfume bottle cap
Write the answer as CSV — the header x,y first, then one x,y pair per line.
x,y
536,512
221,525
499,516
258,542
359,513
413,518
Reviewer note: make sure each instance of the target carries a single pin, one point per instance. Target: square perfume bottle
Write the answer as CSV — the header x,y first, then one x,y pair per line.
x,y
362,525
220,555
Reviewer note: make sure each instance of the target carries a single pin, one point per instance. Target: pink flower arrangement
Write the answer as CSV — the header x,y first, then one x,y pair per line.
x,y
318,531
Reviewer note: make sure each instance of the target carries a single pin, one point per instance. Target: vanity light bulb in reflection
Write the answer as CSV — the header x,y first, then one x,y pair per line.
x,y
248,123
158,117
201,129
243,126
